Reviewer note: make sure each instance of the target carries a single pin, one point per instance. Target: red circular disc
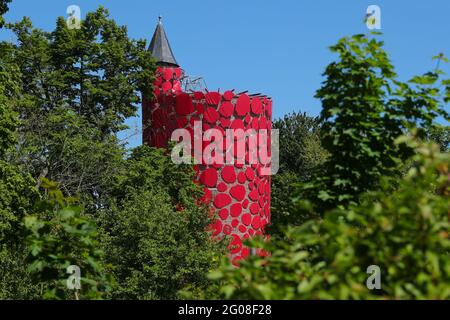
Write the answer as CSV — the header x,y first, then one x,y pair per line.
x,y
238,192
167,73
246,219
213,98
235,245
222,200
177,72
241,177
254,208
166,86
209,177
217,227
235,209
234,223
256,106
245,203
250,174
228,95
253,195
228,174
256,222
227,229
242,105
222,187
242,229
261,187
261,202
223,214
198,95
226,109
211,115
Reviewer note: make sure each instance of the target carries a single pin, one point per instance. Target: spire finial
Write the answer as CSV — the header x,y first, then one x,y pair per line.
x,y
160,47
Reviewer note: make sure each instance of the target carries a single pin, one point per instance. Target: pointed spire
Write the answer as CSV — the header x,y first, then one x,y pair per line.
x,y
160,46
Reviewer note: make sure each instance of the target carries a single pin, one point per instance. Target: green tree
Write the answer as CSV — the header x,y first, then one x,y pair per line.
x,y
3,9
364,109
405,233
301,156
59,236
155,231
17,193
441,135
77,88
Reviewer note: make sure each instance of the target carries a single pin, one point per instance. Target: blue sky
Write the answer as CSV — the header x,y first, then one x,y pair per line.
x,y
279,48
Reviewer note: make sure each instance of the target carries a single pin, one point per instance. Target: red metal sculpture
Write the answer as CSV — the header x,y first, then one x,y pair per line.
x,y
238,192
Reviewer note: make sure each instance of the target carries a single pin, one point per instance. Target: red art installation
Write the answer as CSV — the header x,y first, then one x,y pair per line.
x,y
238,192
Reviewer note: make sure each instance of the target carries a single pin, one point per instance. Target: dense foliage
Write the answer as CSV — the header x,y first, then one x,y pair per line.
x,y
364,109
59,236
3,9
301,158
404,233
155,231
77,88
441,135
17,192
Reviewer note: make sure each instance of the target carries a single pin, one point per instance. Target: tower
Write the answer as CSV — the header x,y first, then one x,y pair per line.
x,y
238,191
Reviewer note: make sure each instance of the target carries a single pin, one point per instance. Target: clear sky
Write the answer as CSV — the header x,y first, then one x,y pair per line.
x,y
279,48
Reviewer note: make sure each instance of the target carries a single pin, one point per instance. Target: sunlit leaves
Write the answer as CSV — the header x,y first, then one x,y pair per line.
x,y
404,232
365,108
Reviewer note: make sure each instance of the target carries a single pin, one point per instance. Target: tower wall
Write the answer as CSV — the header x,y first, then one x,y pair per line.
x,y
238,192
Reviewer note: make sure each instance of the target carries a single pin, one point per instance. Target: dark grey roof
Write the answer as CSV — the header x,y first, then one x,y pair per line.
x,y
160,47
